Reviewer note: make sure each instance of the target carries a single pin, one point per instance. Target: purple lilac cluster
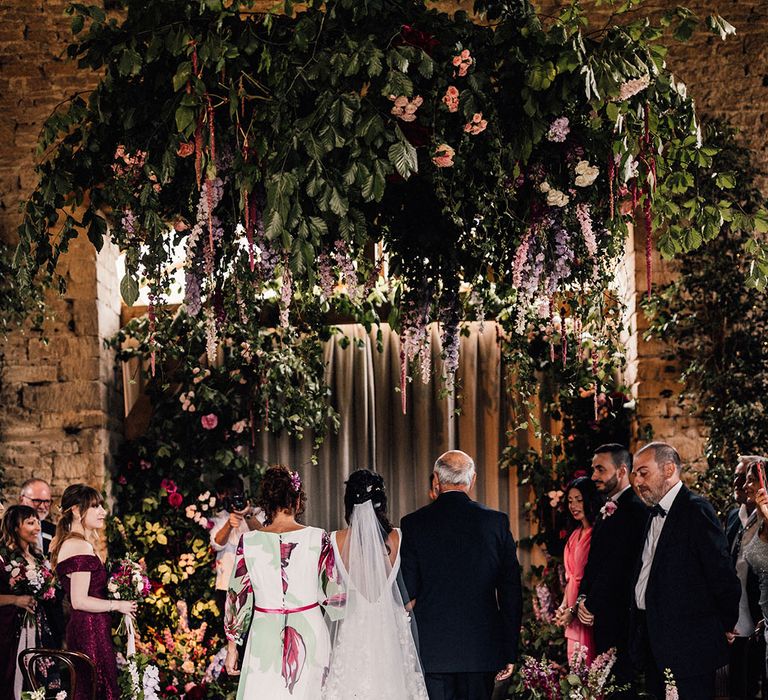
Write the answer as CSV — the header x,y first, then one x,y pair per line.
x,y
559,130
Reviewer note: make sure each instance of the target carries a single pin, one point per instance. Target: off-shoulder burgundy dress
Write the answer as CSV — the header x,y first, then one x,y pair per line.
x,y
91,633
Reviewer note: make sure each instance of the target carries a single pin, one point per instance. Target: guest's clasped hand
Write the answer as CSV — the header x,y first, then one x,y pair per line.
x,y
25,602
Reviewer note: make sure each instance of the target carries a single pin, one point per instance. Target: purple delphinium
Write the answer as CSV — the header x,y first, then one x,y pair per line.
x,y
450,317
192,300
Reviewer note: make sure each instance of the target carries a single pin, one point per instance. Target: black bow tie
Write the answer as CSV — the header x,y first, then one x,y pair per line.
x,y
658,510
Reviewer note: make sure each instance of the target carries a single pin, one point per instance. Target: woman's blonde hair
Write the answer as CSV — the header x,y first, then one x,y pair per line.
x,y
82,497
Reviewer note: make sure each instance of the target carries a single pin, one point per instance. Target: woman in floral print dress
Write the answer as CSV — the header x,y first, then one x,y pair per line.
x,y
284,577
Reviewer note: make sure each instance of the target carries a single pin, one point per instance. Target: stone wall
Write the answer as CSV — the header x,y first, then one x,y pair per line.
x,y
57,394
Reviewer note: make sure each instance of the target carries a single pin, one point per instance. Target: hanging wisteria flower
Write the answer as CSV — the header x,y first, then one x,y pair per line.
x,y
286,295
451,99
632,87
559,130
325,276
586,174
443,157
404,108
463,62
477,125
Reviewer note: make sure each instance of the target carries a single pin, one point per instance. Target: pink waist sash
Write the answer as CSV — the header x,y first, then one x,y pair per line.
x,y
286,611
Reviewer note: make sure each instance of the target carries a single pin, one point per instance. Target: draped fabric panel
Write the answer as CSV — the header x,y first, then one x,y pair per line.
x,y
374,433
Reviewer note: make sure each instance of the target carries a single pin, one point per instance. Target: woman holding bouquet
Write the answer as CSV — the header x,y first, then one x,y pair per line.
x,y
25,579
84,579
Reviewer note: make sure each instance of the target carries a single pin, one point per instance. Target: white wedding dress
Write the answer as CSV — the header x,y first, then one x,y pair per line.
x,y
374,654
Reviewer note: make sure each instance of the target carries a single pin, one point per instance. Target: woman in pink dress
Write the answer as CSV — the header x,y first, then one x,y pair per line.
x,y
583,504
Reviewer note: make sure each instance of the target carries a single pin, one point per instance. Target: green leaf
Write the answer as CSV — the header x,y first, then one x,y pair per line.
x,y
96,232
129,289
725,181
274,225
183,73
185,119
403,156
77,24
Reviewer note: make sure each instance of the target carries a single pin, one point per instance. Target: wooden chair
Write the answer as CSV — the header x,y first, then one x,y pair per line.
x,y
69,659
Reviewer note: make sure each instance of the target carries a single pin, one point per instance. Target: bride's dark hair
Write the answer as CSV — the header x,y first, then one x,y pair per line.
x,y
364,485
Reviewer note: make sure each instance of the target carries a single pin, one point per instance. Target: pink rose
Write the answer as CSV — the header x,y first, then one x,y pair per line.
x,y
168,485
477,125
451,99
210,421
443,157
175,499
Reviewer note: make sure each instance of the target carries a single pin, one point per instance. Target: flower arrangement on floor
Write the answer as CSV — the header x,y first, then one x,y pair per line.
x,y
588,681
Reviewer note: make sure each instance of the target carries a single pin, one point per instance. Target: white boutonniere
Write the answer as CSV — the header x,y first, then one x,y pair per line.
x,y
608,509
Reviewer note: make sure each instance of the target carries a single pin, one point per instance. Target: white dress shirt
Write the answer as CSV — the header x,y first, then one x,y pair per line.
x,y
651,541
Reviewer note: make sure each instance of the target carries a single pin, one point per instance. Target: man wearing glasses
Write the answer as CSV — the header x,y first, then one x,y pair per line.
x,y
36,493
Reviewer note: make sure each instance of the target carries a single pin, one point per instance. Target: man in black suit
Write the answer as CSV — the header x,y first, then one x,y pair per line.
x,y
747,652
460,568
617,539
36,493
686,593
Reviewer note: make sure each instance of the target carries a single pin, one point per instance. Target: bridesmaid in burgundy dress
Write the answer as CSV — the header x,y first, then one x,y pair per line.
x,y
84,578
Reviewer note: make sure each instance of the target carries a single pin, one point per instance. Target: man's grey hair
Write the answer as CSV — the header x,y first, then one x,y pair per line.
x,y
31,482
663,453
455,468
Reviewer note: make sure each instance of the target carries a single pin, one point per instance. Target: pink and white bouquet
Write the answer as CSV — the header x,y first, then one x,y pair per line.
x,y
35,579
128,581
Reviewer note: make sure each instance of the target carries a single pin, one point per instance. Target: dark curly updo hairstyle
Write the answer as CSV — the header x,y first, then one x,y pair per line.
x,y
364,485
281,489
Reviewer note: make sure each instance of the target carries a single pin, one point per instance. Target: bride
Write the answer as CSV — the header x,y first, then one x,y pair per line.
x,y
374,651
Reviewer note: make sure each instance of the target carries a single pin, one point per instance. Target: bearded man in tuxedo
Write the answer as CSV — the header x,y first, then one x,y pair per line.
x,y
617,539
686,592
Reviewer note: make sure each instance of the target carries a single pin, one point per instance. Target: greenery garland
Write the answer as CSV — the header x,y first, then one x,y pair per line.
x,y
509,156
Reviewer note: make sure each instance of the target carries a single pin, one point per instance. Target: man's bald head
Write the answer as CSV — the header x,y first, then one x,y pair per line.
x,y
455,469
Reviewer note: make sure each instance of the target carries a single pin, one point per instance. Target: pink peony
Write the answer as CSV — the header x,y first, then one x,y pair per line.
x,y
175,499
210,421
443,157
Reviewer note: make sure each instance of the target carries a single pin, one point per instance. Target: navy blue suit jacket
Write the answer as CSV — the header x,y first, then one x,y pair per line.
x,y
459,564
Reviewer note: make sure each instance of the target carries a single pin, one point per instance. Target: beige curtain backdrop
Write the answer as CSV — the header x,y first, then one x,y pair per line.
x,y
375,434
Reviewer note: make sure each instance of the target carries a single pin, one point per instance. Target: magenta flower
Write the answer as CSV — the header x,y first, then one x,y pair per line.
x,y
169,485
210,421
175,499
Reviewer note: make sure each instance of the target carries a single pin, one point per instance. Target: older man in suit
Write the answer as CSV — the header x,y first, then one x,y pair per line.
x,y
461,571
686,592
